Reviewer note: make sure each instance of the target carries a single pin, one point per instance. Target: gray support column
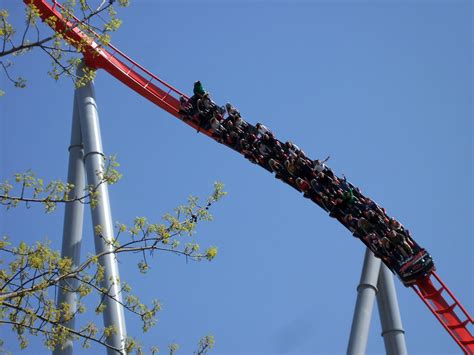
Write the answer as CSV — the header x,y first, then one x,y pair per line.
x,y
73,221
366,292
101,215
392,329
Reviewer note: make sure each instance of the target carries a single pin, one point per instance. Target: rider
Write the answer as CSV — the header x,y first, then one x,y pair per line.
x,y
293,148
198,89
319,166
204,108
399,240
262,130
232,111
185,108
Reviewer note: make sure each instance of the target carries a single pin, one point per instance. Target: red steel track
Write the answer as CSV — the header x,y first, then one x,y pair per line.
x,y
439,299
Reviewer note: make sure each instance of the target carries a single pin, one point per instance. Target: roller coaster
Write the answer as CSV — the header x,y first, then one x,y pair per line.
x,y
367,221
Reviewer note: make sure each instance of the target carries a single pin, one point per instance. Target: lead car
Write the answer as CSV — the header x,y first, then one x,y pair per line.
x,y
416,267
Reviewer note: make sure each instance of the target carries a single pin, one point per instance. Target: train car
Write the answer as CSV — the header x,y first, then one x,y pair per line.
x,y
418,266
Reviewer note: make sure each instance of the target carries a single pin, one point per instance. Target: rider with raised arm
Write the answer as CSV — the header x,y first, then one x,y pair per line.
x,y
319,166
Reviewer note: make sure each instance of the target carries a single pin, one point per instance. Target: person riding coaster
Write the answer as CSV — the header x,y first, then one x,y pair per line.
x,y
303,186
232,112
293,149
185,108
203,109
216,126
278,168
262,130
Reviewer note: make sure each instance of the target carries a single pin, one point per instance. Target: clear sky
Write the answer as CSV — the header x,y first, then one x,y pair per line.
x,y
383,87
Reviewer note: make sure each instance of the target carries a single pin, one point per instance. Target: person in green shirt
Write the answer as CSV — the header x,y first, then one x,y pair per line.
x,y
198,89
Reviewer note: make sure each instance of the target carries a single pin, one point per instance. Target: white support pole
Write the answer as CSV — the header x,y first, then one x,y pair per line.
x,y
366,292
73,222
392,329
101,214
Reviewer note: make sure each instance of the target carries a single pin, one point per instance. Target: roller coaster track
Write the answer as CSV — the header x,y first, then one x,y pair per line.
x,y
430,288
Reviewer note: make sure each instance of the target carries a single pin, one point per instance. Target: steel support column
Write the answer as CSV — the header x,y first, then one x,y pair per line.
x,y
101,214
366,292
392,329
73,222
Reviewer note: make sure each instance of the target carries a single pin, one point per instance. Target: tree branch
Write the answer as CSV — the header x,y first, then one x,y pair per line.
x,y
53,323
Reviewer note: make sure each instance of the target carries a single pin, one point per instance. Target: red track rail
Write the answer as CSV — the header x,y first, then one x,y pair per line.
x,y
444,309
449,311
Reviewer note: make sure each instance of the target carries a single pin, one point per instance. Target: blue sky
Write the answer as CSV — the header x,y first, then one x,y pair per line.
x,y
384,88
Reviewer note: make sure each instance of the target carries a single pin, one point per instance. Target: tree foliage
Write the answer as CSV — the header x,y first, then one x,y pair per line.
x,y
97,18
31,275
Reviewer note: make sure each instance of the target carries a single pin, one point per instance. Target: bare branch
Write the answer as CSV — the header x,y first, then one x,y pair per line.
x,y
5,69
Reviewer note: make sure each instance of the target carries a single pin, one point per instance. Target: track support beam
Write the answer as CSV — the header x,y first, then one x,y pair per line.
x,y
366,293
73,222
392,329
87,158
376,281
